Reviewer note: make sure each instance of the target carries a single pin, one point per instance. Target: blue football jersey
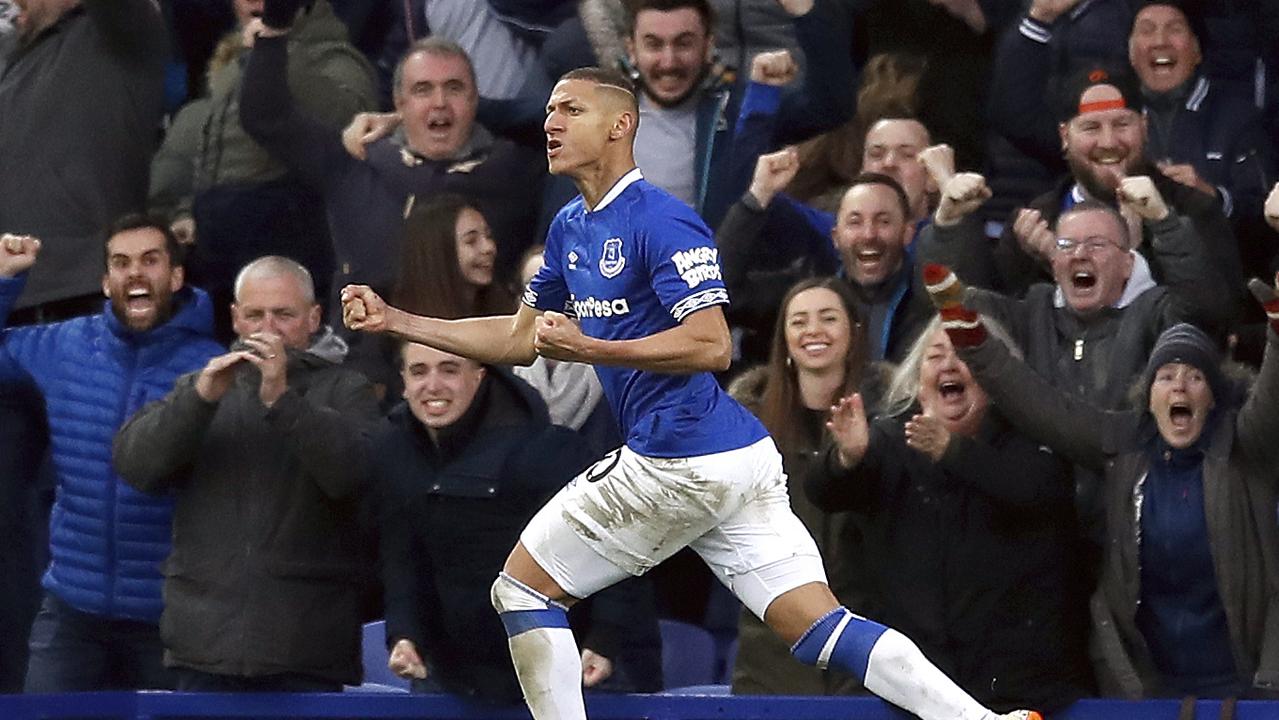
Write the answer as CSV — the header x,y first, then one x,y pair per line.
x,y
638,264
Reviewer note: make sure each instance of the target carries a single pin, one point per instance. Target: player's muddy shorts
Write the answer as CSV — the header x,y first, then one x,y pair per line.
x,y
627,512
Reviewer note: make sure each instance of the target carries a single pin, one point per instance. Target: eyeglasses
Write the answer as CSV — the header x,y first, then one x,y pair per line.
x,y
1091,246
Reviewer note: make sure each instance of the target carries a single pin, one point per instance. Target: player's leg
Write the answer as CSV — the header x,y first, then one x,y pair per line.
x,y
768,558
533,608
600,529
823,633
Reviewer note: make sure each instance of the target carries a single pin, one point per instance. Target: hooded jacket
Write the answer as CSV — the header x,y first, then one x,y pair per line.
x,y
265,575
451,509
106,539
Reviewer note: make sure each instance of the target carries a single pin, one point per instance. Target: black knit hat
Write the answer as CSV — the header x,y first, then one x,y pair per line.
x,y
1185,343
1122,79
1193,10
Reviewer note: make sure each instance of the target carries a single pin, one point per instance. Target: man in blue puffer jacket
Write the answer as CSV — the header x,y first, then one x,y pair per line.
x,y
97,626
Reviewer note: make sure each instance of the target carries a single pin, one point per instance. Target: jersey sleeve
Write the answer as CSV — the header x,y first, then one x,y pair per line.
x,y
547,290
683,262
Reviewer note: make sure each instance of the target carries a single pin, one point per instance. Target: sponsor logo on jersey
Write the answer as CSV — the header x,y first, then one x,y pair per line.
x,y
600,308
697,265
612,261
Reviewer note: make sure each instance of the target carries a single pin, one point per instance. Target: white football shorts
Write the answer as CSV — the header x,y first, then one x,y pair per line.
x,y
628,512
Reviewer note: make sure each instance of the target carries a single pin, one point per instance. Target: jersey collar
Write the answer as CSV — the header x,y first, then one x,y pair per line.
x,y
621,184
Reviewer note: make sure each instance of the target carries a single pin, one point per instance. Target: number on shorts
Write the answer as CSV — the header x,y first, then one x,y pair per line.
x,y
604,466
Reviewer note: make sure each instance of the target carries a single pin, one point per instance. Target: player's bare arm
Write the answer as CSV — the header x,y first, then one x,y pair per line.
x,y
497,340
701,343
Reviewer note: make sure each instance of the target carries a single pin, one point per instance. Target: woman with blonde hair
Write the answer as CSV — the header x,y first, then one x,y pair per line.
x,y
969,530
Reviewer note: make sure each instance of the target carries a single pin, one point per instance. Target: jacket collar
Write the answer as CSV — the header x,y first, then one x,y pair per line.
x,y
192,315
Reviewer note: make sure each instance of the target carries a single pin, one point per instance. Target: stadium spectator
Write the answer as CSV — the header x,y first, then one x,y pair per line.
x,y
235,200
96,629
465,462
871,250
688,102
438,149
954,39
501,47
1103,137
24,438
264,453
1088,332
816,359
1076,33
80,104
446,268
969,530
1187,600
571,391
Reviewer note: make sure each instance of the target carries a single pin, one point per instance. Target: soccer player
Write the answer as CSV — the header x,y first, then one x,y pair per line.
x,y
638,269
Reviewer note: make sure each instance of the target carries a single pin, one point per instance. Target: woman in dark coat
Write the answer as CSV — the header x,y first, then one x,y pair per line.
x,y
970,531
1187,603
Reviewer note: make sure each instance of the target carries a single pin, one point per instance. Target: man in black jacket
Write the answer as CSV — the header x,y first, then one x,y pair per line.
x,y
462,465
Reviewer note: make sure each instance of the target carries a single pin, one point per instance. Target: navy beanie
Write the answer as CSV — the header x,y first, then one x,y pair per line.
x,y
1187,344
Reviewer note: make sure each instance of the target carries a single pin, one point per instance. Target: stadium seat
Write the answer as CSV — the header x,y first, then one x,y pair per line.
x,y
376,673
688,655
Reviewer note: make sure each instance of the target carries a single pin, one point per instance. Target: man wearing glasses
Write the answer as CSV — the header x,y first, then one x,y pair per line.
x,y
1089,331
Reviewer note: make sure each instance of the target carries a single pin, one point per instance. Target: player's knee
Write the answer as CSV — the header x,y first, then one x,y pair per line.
x,y
522,608
839,639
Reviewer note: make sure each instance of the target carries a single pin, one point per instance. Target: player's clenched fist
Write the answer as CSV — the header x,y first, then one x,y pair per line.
x,y
559,338
1140,196
17,253
363,309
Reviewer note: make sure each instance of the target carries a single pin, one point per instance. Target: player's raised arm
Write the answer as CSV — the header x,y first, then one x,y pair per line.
x,y
497,340
701,343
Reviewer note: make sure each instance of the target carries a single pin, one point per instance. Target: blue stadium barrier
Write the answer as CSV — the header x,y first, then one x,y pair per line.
x,y
273,706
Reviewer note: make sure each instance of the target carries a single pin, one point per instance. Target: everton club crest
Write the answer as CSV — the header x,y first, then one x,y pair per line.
x,y
612,261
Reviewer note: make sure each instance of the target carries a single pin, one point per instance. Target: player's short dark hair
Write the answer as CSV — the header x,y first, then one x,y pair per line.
x,y
433,45
137,221
872,178
701,7
603,76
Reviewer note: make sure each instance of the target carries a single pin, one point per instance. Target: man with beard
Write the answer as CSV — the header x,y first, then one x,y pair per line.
x,y
1103,139
688,103
96,629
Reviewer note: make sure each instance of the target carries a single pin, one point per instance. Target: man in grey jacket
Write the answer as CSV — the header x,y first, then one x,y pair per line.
x,y
264,450
80,105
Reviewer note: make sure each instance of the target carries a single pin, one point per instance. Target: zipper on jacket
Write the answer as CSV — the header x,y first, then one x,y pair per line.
x,y
1079,349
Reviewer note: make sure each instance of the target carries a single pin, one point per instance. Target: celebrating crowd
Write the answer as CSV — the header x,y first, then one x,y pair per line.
x,y
1001,282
